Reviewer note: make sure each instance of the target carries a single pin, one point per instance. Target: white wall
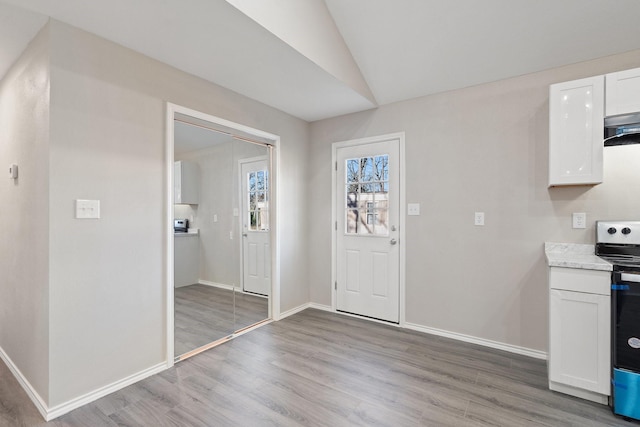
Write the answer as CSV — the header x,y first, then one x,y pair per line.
x,y
482,148
107,143
24,242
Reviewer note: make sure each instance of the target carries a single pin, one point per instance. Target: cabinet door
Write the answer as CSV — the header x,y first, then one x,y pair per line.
x,y
579,340
576,127
186,183
623,92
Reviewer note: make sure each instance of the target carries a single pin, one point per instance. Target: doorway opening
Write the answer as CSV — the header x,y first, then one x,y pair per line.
x,y
206,300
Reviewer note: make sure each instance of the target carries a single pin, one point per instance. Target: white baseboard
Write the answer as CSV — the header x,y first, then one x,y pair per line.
x,y
320,306
217,285
25,384
50,413
480,341
72,404
294,311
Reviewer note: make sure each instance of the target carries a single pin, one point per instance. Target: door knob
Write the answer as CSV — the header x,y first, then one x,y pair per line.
x,y
393,241
244,234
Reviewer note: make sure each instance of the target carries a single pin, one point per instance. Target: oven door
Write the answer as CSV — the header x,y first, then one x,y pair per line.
x,y
625,312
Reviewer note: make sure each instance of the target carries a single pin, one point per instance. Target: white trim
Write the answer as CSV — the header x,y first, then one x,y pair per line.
x,y
72,404
294,310
320,307
536,354
578,392
218,285
54,412
303,307
274,301
26,385
400,136
168,238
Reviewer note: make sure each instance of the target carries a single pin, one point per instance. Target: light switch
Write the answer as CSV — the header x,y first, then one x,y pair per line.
x,y
413,209
13,171
478,218
87,209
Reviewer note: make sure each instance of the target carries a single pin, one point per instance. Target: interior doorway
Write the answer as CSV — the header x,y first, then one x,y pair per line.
x,y
208,305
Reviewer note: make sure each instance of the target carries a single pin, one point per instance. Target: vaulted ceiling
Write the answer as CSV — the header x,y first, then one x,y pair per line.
x,y
322,58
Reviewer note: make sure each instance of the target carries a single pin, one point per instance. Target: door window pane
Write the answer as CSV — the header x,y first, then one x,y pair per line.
x,y
258,206
367,188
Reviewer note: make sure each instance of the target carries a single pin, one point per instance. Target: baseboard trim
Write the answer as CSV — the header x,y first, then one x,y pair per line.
x,y
72,404
294,310
25,384
320,306
536,354
217,285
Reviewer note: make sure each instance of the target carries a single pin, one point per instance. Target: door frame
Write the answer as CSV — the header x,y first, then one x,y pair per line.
x,y
242,194
400,136
274,144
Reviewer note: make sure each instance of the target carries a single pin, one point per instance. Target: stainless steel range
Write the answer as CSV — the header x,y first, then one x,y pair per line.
x,y
619,243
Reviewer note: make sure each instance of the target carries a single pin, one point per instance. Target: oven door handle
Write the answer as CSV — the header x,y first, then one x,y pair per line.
x,y
630,277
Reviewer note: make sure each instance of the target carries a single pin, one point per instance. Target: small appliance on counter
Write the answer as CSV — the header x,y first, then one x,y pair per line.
x,y
619,243
180,225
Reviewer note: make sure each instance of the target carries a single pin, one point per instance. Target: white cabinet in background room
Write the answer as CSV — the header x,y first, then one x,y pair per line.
x,y
186,259
576,127
186,183
623,92
579,333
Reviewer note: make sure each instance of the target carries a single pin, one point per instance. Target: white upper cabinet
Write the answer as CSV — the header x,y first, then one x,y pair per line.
x,y
623,92
576,127
186,183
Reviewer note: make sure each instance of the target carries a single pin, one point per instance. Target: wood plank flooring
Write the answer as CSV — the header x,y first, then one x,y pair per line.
x,y
204,314
322,369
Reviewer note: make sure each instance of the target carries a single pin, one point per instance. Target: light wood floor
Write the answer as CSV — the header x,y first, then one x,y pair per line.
x,y
323,369
204,314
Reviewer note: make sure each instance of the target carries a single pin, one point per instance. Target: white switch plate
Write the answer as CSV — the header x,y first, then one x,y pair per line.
x,y
13,171
579,220
478,218
413,209
235,212
87,209
215,217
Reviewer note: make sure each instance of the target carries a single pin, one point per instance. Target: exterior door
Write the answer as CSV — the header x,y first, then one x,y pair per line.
x,y
256,250
368,213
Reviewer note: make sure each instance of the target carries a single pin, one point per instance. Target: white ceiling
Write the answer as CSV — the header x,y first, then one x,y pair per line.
x,y
403,49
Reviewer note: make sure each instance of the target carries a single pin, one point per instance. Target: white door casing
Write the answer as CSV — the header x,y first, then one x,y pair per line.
x,y
172,110
256,249
368,231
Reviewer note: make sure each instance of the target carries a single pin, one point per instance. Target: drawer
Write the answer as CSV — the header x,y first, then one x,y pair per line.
x,y
580,280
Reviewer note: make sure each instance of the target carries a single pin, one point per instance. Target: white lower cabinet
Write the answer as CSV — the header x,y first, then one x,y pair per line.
x,y
579,333
186,269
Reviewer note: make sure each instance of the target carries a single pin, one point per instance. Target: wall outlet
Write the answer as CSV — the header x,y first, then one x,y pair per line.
x,y
478,218
579,220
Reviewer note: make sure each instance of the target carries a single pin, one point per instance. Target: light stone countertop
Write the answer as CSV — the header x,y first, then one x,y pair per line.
x,y
572,255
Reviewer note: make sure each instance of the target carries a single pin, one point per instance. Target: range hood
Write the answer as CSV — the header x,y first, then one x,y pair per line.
x,y
622,130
